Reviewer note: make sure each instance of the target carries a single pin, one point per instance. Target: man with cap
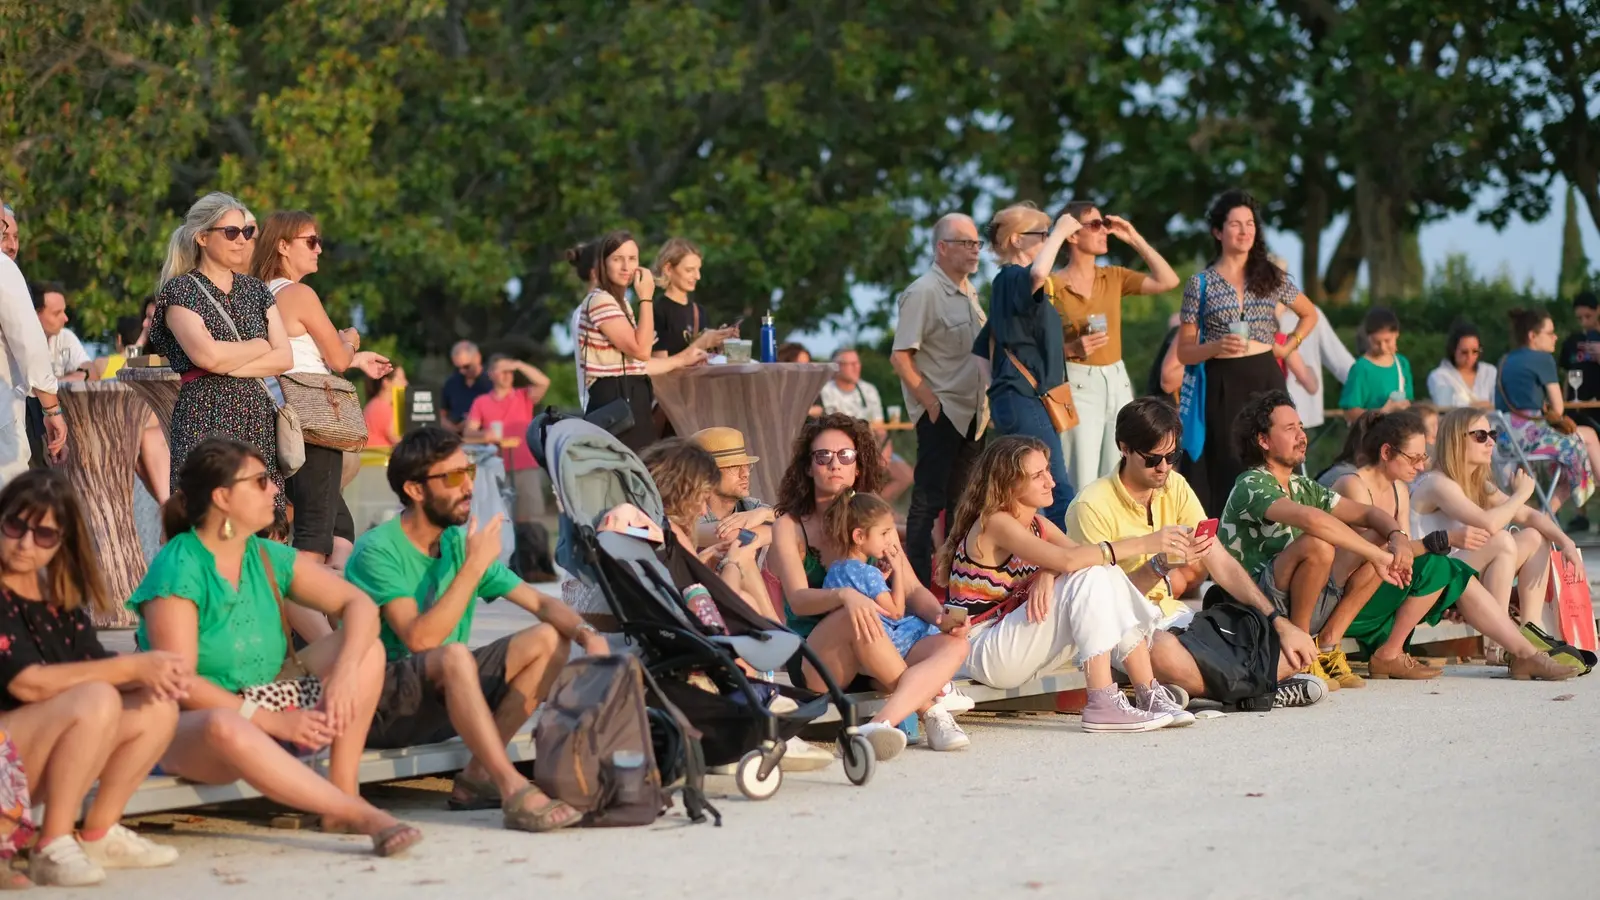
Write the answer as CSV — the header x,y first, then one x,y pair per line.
x,y
731,509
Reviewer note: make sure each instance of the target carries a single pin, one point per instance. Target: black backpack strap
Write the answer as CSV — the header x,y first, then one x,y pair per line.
x,y
695,803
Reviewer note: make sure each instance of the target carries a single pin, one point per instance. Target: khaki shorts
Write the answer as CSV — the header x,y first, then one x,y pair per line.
x,y
529,487
1332,593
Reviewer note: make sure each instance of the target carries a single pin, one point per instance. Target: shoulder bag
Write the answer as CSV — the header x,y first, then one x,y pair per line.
x,y
1562,423
291,438
1192,396
1057,401
329,410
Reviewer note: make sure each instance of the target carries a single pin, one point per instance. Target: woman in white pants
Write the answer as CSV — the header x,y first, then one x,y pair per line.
x,y
1035,600
1089,299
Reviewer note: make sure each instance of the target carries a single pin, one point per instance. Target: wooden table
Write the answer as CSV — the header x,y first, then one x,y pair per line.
x,y
765,401
105,420
158,386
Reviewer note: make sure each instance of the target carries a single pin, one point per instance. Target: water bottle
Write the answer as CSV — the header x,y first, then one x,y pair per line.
x,y
769,339
698,599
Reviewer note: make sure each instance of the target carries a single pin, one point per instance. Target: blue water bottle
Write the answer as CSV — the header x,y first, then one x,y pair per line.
x,y
769,339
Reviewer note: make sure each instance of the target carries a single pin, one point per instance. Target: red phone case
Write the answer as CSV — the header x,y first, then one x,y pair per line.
x,y
1206,529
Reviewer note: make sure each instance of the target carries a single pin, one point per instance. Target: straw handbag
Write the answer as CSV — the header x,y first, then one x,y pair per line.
x,y
330,413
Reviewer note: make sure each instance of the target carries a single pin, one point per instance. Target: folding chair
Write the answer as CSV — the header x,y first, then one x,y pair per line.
x,y
1508,456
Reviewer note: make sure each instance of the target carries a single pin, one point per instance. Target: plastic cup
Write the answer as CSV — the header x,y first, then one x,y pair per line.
x,y
737,350
1098,324
497,430
1242,329
1177,559
894,414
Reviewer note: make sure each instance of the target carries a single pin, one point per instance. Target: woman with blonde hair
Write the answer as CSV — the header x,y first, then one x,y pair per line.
x,y
681,322
1023,338
1036,600
1460,491
223,335
289,249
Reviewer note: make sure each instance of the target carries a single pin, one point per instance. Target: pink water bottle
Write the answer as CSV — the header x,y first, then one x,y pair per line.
x,y
699,601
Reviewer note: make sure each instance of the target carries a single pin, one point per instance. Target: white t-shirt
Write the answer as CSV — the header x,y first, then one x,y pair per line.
x,y
66,352
861,401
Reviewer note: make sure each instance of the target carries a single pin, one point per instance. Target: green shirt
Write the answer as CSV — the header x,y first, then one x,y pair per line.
x,y
241,640
1369,385
1245,530
387,566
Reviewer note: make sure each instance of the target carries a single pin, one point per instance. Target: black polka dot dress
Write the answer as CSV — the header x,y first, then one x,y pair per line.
x,y
212,405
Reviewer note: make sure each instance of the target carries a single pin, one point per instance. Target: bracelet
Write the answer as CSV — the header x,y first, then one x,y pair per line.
x,y
1110,552
1158,565
1105,554
1391,535
248,708
582,627
52,411
1298,338
1437,542
1273,616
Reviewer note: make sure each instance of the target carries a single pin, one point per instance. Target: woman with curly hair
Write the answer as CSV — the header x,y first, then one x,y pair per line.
x,y
1036,600
842,624
1229,326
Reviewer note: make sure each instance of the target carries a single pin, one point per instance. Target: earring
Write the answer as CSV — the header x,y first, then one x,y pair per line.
x,y
227,529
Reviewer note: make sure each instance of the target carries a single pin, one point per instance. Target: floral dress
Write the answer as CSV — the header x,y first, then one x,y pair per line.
x,y
210,405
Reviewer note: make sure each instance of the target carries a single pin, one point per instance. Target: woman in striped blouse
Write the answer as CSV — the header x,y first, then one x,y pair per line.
x,y
1036,600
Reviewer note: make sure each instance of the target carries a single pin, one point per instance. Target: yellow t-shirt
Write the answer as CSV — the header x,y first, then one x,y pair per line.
x,y
1104,511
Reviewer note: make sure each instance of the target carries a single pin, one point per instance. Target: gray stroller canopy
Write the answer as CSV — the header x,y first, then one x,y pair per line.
x,y
593,473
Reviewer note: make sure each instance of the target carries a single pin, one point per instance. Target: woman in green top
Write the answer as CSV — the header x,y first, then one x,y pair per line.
x,y
211,596
1381,379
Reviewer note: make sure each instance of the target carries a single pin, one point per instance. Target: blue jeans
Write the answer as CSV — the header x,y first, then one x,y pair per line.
x,y
1014,413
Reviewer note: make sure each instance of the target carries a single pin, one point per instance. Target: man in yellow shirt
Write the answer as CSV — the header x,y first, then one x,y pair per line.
x,y
1145,494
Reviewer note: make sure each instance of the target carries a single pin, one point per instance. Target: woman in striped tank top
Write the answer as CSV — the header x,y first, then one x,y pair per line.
x,y
1036,600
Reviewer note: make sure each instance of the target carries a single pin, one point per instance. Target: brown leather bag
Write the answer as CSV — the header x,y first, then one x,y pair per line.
x,y
1057,401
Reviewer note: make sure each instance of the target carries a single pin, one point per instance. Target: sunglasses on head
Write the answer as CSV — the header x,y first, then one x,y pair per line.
x,y
1484,435
261,478
1151,460
846,457
44,537
234,232
455,477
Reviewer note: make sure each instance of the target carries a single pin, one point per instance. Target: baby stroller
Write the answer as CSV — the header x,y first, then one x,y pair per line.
x,y
592,473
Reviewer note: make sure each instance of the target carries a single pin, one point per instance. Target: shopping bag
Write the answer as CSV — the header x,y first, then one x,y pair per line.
x,y
1570,604
1192,396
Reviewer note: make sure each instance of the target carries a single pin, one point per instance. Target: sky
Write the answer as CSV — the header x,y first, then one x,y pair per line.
x,y
1525,250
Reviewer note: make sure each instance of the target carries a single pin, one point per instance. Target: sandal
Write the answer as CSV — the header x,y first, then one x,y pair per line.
x,y
545,818
478,794
395,840
12,880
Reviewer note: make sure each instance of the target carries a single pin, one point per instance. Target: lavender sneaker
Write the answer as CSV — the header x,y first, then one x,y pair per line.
x,y
1108,711
1154,698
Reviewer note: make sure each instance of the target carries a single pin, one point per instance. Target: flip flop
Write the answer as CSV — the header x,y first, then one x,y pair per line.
x,y
395,840
12,880
479,794
541,820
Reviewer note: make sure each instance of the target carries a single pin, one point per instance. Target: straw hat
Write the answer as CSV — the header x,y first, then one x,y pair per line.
x,y
726,445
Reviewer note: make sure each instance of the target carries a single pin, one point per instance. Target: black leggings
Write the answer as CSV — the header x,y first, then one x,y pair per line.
x,y
640,396
1230,383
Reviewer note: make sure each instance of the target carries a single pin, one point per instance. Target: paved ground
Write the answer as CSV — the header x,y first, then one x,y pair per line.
x,y
1471,786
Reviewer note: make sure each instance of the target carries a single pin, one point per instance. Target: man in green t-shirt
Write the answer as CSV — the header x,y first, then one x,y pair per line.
x,y
426,573
1294,535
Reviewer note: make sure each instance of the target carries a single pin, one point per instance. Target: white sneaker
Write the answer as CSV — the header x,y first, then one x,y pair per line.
x,y
942,731
953,701
124,848
62,863
780,705
887,741
803,756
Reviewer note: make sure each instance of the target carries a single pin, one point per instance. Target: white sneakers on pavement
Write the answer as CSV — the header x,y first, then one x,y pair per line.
x,y
62,863
887,741
803,756
124,848
942,732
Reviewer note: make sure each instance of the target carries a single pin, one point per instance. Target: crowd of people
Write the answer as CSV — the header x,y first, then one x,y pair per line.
x,y
1054,519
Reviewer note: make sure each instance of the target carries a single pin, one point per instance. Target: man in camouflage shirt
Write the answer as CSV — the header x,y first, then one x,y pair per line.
x,y
1294,536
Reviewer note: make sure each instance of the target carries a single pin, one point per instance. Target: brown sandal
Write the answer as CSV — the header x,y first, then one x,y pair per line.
x,y
395,840
540,820
479,794
12,880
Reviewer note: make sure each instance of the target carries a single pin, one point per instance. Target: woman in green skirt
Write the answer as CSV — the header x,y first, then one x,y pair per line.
x,y
1393,452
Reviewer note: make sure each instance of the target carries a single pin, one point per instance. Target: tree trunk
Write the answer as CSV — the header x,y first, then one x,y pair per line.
x,y
1586,179
1339,284
1382,237
1316,221
1415,272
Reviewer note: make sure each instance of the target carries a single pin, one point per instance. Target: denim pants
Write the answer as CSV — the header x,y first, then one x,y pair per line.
x,y
1090,449
1014,413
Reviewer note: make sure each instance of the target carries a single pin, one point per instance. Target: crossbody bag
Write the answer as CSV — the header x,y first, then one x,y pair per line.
x,y
291,437
1057,401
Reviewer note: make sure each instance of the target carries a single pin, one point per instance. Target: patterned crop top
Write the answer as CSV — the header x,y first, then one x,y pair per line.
x,y
1220,306
980,588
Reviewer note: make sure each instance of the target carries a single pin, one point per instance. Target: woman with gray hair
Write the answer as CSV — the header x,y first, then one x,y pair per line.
x,y
223,335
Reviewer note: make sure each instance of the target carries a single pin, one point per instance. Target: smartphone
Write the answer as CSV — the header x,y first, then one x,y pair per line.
x,y
1206,529
954,616
640,533
746,536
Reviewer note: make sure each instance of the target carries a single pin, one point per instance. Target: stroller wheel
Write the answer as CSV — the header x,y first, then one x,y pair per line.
x,y
748,777
860,760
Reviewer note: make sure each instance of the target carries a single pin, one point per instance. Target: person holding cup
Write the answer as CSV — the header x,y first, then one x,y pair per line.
x,y
1229,325
507,411
1089,299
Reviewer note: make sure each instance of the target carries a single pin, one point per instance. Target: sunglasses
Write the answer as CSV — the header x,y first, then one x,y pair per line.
x,y
1420,459
1151,460
822,458
44,537
313,242
234,232
1484,436
455,477
261,478
1095,225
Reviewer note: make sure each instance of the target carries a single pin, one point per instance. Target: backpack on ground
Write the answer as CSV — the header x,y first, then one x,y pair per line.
x,y
596,746
1234,648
